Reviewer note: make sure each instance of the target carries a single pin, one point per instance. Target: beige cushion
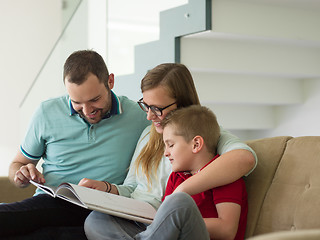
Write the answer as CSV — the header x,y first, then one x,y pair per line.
x,y
293,200
269,152
290,235
9,193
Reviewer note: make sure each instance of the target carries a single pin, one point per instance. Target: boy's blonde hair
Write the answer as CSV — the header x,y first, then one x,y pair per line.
x,y
194,121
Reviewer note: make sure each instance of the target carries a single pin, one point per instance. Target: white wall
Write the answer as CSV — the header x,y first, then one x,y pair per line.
x,y
86,29
297,120
135,24
28,31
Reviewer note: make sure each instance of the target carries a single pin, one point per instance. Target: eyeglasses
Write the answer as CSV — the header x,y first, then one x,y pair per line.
x,y
156,110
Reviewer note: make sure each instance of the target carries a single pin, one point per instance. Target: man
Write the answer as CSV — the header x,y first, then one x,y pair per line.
x,y
89,133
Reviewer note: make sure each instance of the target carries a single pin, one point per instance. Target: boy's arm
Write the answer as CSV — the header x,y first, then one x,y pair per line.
x,y
226,225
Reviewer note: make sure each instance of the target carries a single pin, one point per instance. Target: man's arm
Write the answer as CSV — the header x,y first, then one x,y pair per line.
x,y
226,225
22,170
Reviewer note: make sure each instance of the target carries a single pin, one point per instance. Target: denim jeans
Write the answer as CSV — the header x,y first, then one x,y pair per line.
x,y
177,218
42,217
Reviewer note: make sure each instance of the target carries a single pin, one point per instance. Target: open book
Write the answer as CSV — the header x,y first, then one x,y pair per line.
x,y
109,203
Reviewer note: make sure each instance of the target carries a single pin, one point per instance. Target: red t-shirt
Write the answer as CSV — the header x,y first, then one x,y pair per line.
x,y
234,192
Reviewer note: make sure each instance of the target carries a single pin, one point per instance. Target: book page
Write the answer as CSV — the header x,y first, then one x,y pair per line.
x,y
47,189
115,203
67,192
64,191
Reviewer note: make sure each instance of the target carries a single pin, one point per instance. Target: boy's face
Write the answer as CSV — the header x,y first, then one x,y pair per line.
x,y
177,150
91,99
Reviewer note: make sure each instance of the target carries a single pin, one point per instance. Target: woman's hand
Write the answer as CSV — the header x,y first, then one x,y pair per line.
x,y
90,183
98,185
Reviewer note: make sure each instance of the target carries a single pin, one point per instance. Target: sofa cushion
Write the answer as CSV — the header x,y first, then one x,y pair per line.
x,y
313,234
269,152
10,193
292,201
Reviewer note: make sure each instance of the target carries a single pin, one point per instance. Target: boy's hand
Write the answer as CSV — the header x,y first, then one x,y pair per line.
x,y
90,183
28,172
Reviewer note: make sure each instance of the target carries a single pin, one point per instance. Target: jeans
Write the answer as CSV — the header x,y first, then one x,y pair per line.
x,y
177,218
42,217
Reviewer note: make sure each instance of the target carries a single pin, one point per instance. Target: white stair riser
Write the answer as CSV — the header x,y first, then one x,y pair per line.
x,y
250,56
246,89
280,19
244,117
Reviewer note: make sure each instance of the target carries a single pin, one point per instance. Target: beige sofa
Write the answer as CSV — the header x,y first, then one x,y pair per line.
x,y
284,190
9,193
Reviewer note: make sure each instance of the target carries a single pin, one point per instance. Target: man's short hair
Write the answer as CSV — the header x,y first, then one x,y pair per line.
x,y
80,63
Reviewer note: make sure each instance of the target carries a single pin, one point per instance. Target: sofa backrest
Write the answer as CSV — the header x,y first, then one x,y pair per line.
x,y
284,189
269,152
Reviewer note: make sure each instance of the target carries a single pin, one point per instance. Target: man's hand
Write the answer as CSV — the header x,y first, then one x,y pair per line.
x,y
90,183
28,172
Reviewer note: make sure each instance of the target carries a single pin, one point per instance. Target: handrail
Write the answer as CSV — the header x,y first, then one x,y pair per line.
x,y
193,17
49,55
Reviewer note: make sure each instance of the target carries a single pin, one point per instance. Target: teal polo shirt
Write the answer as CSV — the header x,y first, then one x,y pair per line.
x,y
73,149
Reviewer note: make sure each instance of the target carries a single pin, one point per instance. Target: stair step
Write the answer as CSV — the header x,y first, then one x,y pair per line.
x,y
235,53
244,117
279,19
254,59
246,89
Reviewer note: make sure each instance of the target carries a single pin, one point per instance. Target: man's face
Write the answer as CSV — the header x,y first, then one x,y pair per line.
x,y
91,99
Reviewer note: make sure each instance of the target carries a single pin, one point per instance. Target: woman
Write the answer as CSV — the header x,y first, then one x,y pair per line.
x,y
165,88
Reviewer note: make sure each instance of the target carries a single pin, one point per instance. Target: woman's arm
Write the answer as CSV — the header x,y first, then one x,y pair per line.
x,y
237,159
130,183
224,170
228,142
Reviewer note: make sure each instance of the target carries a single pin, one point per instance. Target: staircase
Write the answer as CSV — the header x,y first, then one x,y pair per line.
x,y
249,58
254,59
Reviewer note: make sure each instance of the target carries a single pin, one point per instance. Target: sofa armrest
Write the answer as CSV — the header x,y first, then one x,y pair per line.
x,y
10,193
309,234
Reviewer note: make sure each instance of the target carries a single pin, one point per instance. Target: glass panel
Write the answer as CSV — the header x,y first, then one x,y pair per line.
x,y
131,23
104,26
48,83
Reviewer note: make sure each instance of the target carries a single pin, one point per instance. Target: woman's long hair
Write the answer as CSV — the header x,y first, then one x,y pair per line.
x,y
177,80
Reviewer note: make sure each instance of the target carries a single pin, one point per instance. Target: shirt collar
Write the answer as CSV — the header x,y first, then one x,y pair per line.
x,y
116,107
185,174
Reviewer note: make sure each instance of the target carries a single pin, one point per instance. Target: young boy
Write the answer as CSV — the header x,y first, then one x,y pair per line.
x,y
191,135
